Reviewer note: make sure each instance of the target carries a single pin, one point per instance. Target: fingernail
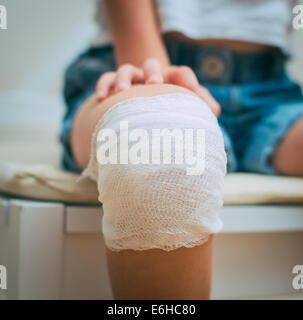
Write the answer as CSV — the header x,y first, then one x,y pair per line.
x,y
101,94
122,86
155,78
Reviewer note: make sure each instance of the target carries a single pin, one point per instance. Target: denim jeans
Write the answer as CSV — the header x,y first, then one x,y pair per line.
x,y
259,102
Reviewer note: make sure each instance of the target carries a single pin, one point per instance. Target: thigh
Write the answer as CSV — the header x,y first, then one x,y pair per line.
x,y
79,83
278,130
91,112
288,157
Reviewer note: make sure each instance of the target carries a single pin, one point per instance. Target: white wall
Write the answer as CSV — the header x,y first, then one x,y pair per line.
x,y
42,38
35,29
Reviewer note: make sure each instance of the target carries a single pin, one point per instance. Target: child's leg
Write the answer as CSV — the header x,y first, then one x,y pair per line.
x,y
92,110
183,273
288,158
275,144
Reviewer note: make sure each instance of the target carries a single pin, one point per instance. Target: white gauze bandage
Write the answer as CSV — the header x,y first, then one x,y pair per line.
x,y
151,201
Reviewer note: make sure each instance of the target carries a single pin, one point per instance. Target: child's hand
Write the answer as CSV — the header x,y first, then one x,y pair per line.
x,y
153,73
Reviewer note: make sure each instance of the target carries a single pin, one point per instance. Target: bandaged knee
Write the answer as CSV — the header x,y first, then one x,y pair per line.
x,y
159,163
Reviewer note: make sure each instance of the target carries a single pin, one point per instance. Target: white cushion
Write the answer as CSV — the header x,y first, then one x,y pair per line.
x,y
46,182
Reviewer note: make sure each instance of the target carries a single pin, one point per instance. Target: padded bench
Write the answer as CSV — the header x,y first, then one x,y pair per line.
x,y
51,243
46,182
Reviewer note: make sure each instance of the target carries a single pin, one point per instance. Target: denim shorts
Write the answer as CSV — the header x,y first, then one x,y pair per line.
x,y
259,102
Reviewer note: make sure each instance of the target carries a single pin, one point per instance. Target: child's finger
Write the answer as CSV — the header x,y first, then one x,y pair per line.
x,y
182,76
205,95
126,75
185,77
104,84
153,72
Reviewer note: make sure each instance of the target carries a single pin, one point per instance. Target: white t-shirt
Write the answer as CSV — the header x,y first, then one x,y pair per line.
x,y
260,21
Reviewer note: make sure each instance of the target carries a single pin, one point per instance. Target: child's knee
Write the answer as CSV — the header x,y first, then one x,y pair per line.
x,y
148,203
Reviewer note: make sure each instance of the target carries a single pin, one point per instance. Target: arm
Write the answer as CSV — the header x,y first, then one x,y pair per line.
x,y
135,32
140,53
